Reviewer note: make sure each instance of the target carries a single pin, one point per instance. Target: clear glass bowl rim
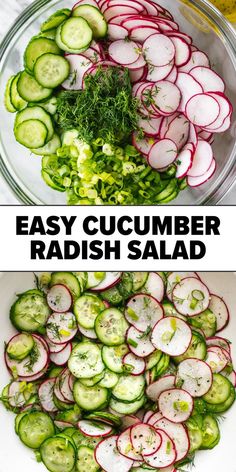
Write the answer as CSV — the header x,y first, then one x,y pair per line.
x,y
203,6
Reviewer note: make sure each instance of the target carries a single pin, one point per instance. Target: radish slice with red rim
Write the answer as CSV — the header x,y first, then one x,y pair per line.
x,y
141,33
154,390
137,64
125,446
124,52
166,454
182,50
162,154
145,439
197,181
93,55
55,347
147,416
61,327
79,64
183,163
85,2
57,390
225,110
129,420
139,343
130,3
150,126
216,359
45,393
61,358
133,365
208,79
179,435
154,286
137,75
110,279
156,74
109,458
65,386
16,397
202,110
59,298
178,131
198,58
175,405
166,97
143,311
89,333
63,424
172,77
176,277
26,369
219,341
94,429
172,336
116,32
165,47
111,13
190,296
194,376
202,159
189,87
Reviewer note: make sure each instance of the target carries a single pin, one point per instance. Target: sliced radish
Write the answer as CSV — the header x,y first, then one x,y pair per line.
x,y
125,446
62,424
166,123
224,127
154,286
209,79
182,50
137,75
147,416
195,376
166,97
188,87
166,454
183,163
112,12
150,126
154,390
216,359
197,181
190,296
141,33
45,393
225,110
116,32
172,77
143,311
61,327
61,358
155,417
139,343
111,279
25,369
55,347
93,55
176,405
179,435
181,35
202,110
176,277
133,364
79,64
59,298
172,336
124,52
85,2
109,458
89,333
202,159
145,439
129,420
178,131
137,64
156,74
65,386
219,341
198,58
57,390
162,154
164,46
94,429
16,397
130,3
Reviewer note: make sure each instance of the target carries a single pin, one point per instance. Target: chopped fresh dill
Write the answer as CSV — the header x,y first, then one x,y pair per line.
x,y
33,358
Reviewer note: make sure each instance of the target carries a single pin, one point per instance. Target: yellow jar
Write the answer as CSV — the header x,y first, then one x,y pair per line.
x,y
227,7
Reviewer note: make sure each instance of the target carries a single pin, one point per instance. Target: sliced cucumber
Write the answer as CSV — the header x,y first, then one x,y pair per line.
x,y
36,48
49,105
76,33
30,90
104,416
50,34
55,19
109,379
86,310
20,346
86,361
126,408
30,312
82,279
18,102
18,418
64,47
93,381
219,391
49,168
113,357
197,349
112,295
7,97
205,321
34,428
86,460
51,70
129,388
49,148
90,398
69,280
153,359
139,279
94,17
111,327
31,134
224,406
195,435
210,432
35,113
82,440
58,454
94,279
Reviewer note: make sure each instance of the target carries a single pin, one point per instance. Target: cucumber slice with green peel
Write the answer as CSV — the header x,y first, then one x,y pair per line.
x,y
69,280
49,148
86,361
18,418
197,349
93,381
49,105
64,47
86,310
224,406
49,168
126,408
34,428
206,321
55,19
105,417
35,113
50,70
58,454
83,279
109,379
112,295
95,19
169,190
20,346
195,435
31,134
111,327
36,48
86,460
30,311
30,90
17,101
113,357
90,398
129,388
139,279
125,286
76,33
61,405
169,310
82,440
50,34
210,433
219,391
94,279
7,96
153,359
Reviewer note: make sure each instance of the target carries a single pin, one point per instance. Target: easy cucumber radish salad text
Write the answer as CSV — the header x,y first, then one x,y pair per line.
x,y
118,370
120,103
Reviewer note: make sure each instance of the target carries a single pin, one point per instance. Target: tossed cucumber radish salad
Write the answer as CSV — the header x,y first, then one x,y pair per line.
x,y
120,103
118,371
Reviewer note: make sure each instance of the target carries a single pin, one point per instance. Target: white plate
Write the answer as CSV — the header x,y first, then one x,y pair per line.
x,y
14,456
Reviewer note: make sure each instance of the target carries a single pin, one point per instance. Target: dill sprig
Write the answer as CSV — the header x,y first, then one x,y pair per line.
x,y
105,108
33,358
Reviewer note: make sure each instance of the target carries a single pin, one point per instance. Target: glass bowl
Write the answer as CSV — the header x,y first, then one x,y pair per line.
x,y
210,32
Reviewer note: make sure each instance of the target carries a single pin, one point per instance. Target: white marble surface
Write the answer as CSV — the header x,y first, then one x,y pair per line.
x,y
10,9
